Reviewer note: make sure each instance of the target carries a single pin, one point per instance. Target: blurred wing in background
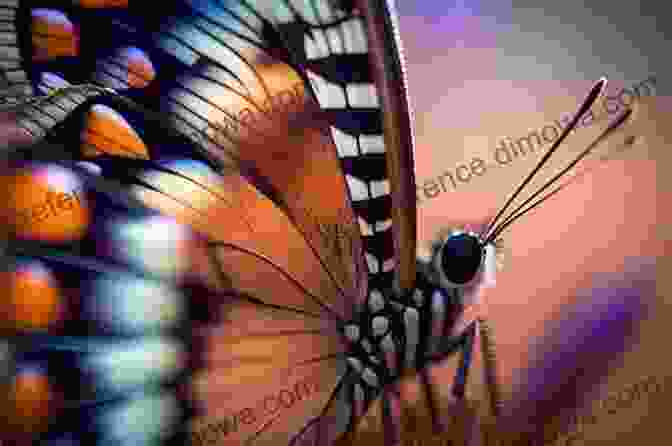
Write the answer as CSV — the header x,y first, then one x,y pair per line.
x,y
96,310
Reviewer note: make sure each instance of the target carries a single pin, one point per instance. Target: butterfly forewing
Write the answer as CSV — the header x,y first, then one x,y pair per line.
x,y
223,71
362,97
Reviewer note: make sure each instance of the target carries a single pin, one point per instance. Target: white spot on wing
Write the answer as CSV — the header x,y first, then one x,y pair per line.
x,y
372,144
362,95
358,188
346,145
328,95
335,42
380,188
321,46
310,47
355,37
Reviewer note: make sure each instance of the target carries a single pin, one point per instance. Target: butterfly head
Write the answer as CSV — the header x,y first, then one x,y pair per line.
x,y
462,259
459,258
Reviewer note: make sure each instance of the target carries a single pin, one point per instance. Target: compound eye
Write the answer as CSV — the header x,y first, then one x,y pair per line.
x,y
459,259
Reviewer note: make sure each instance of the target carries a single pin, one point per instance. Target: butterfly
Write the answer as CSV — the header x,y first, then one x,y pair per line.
x,y
299,170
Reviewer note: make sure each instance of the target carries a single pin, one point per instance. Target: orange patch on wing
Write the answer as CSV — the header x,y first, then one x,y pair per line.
x,y
106,132
44,203
53,35
32,299
30,402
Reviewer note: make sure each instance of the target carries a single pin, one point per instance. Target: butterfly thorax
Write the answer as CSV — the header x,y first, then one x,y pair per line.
x,y
397,333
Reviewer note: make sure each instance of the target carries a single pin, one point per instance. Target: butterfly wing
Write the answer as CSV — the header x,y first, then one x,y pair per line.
x,y
276,357
219,70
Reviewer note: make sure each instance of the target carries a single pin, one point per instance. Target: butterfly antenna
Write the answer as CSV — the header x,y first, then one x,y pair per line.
x,y
521,210
592,96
